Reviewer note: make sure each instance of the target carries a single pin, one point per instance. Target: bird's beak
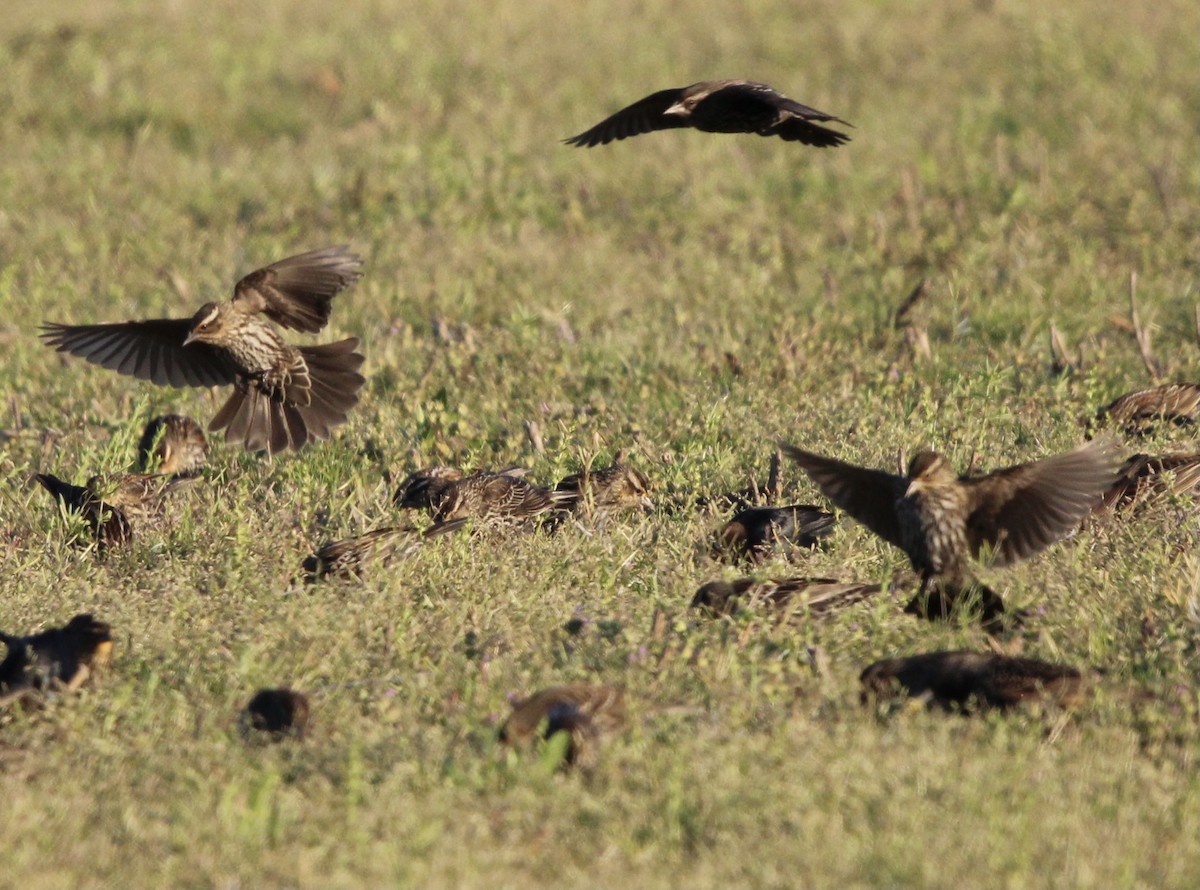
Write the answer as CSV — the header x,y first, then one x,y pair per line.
x,y
190,338
913,487
677,109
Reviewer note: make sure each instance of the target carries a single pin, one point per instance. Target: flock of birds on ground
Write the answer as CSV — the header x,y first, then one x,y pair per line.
x,y
285,396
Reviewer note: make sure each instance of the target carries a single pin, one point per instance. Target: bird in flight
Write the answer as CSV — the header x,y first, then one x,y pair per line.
x,y
283,395
718,106
942,520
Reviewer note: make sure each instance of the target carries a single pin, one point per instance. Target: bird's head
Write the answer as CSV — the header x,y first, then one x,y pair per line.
x,y
635,489
688,102
927,467
206,325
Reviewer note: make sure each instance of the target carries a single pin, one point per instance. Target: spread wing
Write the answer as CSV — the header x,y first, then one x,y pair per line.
x,y
1023,509
643,116
796,129
298,292
868,495
149,350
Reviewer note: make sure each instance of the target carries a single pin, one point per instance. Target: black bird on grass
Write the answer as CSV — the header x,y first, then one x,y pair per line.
x,y
755,532
718,106
284,395
277,713
943,520
980,679
57,658
108,522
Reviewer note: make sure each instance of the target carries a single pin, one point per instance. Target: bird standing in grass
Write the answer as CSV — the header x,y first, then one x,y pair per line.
x,y
284,395
753,533
943,520
61,657
109,524
612,488
174,445
718,106
586,712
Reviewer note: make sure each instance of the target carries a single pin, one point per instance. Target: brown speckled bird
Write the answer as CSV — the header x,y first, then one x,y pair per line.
x,y
718,106
584,711
943,520
613,488
1143,478
1138,412
58,658
283,395
276,713
754,533
814,596
140,496
498,498
962,680
173,445
352,557
109,524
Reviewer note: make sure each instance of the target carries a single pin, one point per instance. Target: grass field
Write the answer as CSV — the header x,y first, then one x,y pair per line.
x,y
1023,158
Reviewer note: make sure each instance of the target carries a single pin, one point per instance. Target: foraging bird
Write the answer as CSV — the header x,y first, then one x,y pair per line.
x,y
1175,403
174,445
1143,477
942,520
283,395
110,526
718,106
276,712
615,487
983,679
59,657
139,496
350,557
754,532
817,596
503,497
582,710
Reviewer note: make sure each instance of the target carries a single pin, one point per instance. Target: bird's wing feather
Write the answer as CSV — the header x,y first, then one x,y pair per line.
x,y
868,495
297,292
1023,509
642,116
149,350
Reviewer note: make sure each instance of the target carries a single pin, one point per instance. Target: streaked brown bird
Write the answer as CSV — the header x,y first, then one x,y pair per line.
x,y
1138,412
970,680
495,498
616,487
814,596
277,713
109,524
353,557
718,106
283,395
942,520
58,658
174,445
585,711
1144,478
755,532
139,496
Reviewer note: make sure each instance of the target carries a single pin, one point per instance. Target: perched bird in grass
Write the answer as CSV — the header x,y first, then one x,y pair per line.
x,y
1143,478
276,713
173,445
58,658
498,498
718,106
424,488
613,488
943,520
755,532
109,524
283,395
352,557
139,496
816,596
966,680
1138,412
584,711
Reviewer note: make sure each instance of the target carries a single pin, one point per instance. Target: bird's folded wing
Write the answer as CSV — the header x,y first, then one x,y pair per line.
x,y
868,495
297,292
1023,509
149,350
642,116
